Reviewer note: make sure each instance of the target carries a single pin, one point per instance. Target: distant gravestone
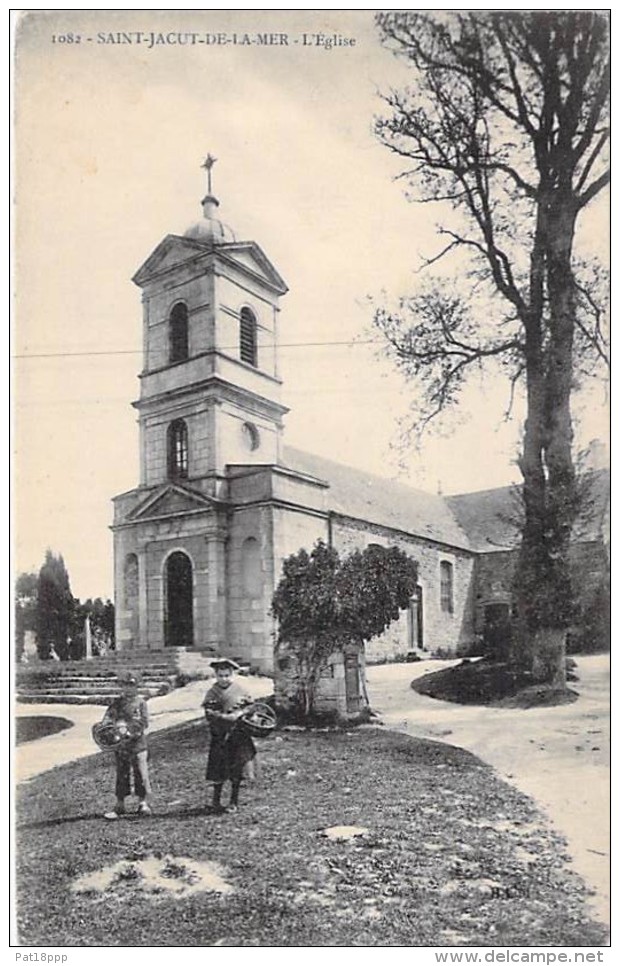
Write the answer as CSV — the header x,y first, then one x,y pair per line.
x,y
30,647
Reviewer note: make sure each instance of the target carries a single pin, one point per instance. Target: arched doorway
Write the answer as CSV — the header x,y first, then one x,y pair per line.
x,y
179,599
497,630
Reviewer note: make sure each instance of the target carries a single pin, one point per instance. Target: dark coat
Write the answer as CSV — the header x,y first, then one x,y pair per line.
x,y
231,751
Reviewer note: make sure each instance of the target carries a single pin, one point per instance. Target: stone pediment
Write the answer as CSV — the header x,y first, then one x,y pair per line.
x,y
172,251
250,256
170,500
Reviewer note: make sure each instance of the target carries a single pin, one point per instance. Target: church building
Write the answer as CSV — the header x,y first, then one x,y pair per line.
x,y
222,501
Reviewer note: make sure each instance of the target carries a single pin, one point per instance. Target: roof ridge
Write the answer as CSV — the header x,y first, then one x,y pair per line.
x,y
488,489
363,472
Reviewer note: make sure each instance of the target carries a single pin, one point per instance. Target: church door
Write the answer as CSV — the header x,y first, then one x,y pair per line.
x,y
352,681
416,621
497,630
179,624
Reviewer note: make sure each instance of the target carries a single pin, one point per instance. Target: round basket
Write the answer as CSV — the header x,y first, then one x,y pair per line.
x,y
259,720
115,735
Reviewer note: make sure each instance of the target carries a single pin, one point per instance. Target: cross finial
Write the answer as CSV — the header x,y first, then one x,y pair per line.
x,y
207,164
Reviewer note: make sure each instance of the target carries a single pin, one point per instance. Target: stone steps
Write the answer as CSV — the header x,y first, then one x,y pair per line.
x,y
96,681
57,669
104,682
111,689
81,683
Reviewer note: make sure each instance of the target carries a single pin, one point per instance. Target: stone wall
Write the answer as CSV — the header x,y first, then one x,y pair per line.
x,y
193,286
199,417
493,582
442,630
231,297
249,581
494,575
140,616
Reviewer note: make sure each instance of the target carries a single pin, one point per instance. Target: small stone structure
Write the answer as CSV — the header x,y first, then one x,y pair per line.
x,y
341,688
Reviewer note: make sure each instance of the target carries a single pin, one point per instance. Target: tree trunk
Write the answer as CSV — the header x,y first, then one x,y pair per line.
x,y
530,563
542,582
310,678
559,430
549,657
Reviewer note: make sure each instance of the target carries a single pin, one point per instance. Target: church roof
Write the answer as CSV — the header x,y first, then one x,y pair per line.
x,y
484,521
355,493
491,518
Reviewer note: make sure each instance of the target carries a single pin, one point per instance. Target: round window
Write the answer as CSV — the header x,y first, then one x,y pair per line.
x,y
251,436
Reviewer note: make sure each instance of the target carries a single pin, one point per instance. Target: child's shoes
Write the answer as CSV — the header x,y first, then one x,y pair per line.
x,y
114,815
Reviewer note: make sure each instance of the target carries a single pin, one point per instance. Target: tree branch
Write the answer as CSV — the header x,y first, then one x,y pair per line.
x,y
591,192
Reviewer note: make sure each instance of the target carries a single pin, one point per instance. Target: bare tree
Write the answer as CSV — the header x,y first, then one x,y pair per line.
x,y
506,124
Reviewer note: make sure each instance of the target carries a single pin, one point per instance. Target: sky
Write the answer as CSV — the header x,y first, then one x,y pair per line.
x,y
109,142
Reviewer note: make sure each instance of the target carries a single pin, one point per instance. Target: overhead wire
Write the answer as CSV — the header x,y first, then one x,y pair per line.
x,y
133,352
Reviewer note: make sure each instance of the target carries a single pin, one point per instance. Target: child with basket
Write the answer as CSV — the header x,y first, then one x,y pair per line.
x,y
232,751
126,721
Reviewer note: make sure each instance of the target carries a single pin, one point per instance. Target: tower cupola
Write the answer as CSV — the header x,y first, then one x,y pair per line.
x,y
210,228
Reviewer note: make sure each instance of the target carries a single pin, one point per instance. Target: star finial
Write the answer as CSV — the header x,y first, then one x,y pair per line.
x,y
207,164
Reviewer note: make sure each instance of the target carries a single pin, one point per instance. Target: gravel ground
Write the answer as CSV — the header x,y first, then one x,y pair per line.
x,y
560,756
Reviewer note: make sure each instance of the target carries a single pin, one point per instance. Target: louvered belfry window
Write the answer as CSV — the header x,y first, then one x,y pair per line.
x,y
179,341
247,337
177,450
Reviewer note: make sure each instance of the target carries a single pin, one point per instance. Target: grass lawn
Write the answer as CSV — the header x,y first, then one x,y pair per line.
x,y
453,856
29,728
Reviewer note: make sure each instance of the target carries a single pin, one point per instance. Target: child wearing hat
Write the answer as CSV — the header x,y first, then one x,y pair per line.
x,y
132,755
232,751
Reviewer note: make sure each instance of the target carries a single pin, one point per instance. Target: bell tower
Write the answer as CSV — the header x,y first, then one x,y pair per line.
x,y
209,407
210,390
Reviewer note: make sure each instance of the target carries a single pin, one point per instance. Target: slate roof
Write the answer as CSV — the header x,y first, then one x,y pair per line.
x,y
362,495
482,522
490,518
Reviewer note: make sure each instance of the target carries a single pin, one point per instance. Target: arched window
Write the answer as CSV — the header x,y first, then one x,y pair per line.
x,y
177,450
247,337
446,586
178,332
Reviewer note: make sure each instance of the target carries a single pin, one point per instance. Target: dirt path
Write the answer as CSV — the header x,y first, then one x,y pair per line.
x,y
559,756
34,757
